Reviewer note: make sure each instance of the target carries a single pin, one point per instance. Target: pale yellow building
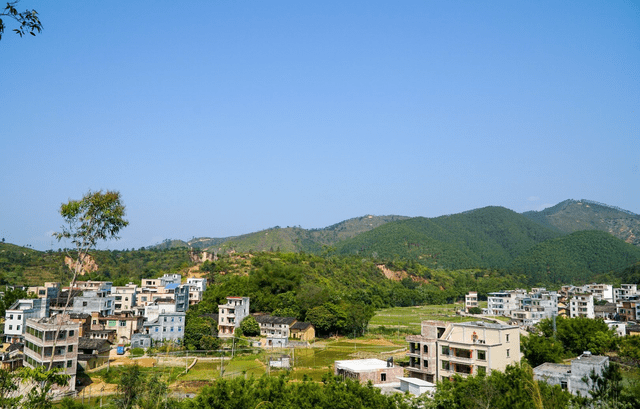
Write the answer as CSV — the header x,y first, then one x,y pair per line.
x,y
468,348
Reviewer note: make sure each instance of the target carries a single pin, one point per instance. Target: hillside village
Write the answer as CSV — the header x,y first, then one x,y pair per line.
x,y
86,326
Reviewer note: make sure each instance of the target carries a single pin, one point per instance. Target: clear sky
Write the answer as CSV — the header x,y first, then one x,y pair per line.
x,y
219,118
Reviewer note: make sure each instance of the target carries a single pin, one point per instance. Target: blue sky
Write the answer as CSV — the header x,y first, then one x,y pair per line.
x,y
222,118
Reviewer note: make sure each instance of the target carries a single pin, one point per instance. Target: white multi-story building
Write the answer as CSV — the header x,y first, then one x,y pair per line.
x,y
95,301
231,314
600,291
169,326
467,348
17,314
504,302
170,279
197,287
536,306
470,300
581,305
625,292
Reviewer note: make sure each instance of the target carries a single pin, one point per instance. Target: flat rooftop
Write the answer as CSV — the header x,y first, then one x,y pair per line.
x,y
358,365
483,324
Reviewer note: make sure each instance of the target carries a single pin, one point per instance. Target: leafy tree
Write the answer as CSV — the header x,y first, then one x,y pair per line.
x,y
475,310
327,318
130,388
8,386
68,403
10,296
629,346
39,381
97,216
28,21
539,349
581,334
250,327
209,343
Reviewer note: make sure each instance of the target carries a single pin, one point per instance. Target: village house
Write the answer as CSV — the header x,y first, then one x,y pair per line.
x,y
16,315
275,329
570,377
231,314
303,331
125,324
466,348
365,370
39,341
581,305
93,353
168,327
470,300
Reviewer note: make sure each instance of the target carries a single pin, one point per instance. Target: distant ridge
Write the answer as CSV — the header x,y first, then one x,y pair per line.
x,y
576,215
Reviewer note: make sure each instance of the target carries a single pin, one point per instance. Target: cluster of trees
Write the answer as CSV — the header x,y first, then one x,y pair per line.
x,y
20,266
338,294
573,336
516,388
577,258
278,392
29,387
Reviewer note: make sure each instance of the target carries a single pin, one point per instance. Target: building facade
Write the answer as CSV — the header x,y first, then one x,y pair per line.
x,y
231,314
467,348
41,345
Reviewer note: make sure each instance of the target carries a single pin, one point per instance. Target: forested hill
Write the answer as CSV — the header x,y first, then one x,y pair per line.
x,y
576,258
491,237
292,239
576,215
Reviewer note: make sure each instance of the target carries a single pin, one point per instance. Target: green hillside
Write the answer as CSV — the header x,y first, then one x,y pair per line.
x,y
491,237
577,215
576,258
22,266
294,239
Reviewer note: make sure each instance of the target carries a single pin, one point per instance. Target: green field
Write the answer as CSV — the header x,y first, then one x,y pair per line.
x,y
406,320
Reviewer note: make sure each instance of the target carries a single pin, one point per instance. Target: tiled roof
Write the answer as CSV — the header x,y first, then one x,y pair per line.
x,y
301,325
270,319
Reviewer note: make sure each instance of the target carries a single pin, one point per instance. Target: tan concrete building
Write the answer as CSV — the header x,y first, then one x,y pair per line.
x,y
468,348
40,345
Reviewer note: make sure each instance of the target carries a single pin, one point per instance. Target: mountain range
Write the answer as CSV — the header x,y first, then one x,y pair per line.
x,y
573,240
564,218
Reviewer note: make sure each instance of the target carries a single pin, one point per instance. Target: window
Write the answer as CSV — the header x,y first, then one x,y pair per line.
x,y
171,329
18,327
445,365
19,316
179,329
69,364
123,323
70,348
507,337
563,384
425,349
508,353
84,303
11,316
10,327
425,363
156,329
383,377
445,350
482,355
